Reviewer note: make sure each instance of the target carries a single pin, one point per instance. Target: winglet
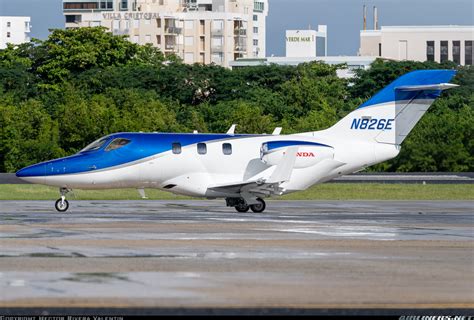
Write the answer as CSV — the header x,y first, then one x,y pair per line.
x,y
231,129
277,131
285,167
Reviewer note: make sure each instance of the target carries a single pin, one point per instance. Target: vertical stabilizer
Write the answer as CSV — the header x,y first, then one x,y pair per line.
x,y
390,115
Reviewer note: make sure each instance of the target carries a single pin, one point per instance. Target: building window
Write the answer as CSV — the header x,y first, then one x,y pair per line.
x,y
124,5
444,51
136,39
80,5
136,23
189,57
189,24
8,34
201,148
148,38
255,42
255,17
380,49
176,147
258,6
189,41
107,4
217,58
218,25
9,24
457,52
255,29
469,53
430,50
227,149
71,19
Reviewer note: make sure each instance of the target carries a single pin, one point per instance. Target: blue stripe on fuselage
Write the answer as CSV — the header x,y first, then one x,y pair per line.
x,y
142,145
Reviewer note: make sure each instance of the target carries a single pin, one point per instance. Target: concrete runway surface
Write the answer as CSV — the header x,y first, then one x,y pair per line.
x,y
200,254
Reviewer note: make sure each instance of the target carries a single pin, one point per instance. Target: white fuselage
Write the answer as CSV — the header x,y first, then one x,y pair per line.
x,y
194,174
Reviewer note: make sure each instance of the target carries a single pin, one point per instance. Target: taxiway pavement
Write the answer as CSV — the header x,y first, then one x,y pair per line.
x,y
200,254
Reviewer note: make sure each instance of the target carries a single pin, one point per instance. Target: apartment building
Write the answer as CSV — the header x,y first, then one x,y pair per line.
x,y
14,30
199,31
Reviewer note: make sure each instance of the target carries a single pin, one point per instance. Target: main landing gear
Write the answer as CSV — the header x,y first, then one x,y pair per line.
x,y
241,205
62,204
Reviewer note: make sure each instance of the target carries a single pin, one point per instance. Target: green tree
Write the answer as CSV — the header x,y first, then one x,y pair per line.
x,y
27,136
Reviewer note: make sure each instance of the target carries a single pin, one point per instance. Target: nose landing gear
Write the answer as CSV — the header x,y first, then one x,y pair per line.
x,y
62,204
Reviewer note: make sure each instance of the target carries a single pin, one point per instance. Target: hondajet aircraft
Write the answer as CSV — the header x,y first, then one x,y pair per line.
x,y
245,169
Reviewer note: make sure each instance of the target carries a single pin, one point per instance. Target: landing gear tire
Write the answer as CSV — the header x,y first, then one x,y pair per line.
x,y
260,207
242,208
61,205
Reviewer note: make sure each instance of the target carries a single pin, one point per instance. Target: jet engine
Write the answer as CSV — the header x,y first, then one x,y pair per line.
x,y
309,153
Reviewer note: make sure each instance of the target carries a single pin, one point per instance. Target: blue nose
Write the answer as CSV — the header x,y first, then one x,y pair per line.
x,y
37,170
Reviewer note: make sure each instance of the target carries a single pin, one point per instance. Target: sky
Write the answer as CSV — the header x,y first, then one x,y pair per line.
x,y
343,18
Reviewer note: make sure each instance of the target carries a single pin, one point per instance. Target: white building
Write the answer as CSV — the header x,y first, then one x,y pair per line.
x,y
304,46
353,62
14,30
306,43
203,31
420,43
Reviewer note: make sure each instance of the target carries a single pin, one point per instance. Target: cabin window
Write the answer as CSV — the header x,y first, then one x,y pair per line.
x,y
96,145
202,148
227,148
176,147
117,144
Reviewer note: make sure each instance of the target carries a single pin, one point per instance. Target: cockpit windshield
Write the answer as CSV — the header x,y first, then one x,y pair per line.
x,y
96,145
117,144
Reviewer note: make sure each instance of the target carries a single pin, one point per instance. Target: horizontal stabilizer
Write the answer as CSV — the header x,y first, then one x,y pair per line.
x,y
440,86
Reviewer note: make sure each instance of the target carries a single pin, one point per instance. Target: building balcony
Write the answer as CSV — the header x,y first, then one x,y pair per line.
x,y
121,32
240,48
173,30
171,46
240,32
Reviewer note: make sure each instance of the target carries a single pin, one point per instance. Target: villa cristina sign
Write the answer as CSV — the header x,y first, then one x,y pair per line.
x,y
130,15
300,39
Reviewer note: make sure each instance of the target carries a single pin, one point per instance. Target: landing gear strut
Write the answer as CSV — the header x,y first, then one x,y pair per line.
x,y
62,204
241,205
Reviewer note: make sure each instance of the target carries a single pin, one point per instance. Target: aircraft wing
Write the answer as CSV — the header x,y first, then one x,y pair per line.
x,y
257,188
265,187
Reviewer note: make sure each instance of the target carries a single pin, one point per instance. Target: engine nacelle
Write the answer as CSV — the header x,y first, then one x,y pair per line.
x,y
308,153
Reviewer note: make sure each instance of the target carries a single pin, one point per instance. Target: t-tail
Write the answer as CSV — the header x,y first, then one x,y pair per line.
x,y
390,115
